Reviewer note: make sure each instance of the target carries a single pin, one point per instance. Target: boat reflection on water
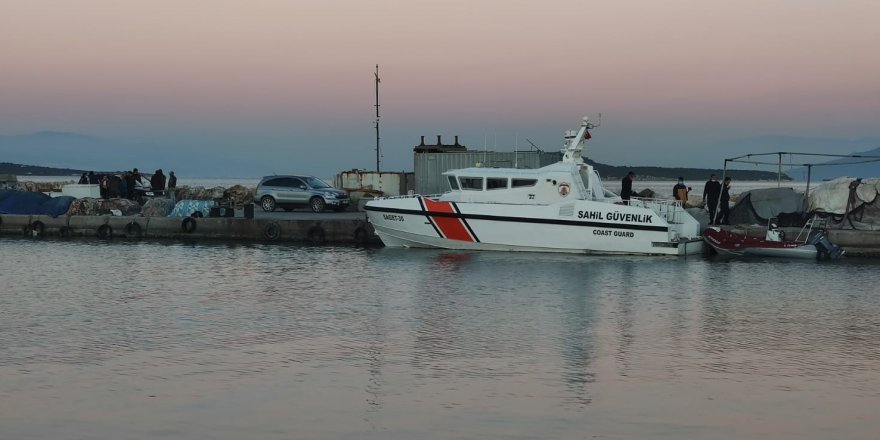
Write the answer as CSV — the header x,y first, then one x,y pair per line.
x,y
395,343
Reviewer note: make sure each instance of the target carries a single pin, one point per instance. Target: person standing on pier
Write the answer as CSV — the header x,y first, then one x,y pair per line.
x,y
680,192
711,193
157,182
626,187
724,203
129,184
172,180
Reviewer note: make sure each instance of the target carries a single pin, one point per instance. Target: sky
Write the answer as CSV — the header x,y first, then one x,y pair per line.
x,y
288,86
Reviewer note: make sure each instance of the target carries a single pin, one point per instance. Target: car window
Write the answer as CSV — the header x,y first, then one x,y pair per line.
x,y
273,182
294,182
317,183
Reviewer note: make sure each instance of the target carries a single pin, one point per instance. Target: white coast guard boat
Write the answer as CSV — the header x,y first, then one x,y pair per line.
x,y
558,208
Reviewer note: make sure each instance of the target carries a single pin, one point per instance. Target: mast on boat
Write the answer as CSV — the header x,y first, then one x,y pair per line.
x,y
377,117
575,141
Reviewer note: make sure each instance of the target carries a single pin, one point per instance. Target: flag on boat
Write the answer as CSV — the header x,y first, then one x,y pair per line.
x,y
587,134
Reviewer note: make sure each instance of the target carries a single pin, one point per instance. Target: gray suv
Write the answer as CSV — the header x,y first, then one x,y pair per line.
x,y
288,192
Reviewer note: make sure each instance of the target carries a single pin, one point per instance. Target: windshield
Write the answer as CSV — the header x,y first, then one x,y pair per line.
x,y
316,183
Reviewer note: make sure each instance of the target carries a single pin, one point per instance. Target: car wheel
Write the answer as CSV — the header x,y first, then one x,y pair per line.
x,y
267,203
317,204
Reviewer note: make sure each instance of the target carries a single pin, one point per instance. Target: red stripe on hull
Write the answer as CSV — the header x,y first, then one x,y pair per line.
x,y
452,228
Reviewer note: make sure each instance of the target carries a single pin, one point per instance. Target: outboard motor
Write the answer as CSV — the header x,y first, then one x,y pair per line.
x,y
825,247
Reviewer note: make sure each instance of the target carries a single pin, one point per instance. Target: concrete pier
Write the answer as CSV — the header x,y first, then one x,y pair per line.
x,y
315,230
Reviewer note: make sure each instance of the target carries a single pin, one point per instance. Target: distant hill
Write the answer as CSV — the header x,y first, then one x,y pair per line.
x,y
775,143
843,167
63,150
60,150
21,170
612,172
606,171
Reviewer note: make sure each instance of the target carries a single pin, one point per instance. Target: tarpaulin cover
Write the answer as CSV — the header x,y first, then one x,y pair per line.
x,y
186,208
832,197
33,203
759,205
56,206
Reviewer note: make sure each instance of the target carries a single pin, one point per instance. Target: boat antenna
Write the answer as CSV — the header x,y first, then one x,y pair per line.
x,y
485,146
533,145
515,152
377,117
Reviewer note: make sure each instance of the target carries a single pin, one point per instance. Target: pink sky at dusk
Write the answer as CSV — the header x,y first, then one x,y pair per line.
x,y
263,77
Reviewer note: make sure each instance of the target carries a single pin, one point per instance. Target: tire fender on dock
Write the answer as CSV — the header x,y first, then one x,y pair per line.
x,y
188,225
360,235
105,231
133,229
316,236
272,231
36,228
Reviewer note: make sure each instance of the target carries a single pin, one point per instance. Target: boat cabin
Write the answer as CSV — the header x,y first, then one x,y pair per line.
x,y
551,184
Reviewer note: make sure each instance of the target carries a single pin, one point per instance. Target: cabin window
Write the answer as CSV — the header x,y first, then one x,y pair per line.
x,y
522,183
453,183
471,183
496,183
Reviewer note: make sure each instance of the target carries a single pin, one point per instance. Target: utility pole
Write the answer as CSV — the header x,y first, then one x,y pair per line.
x,y
377,118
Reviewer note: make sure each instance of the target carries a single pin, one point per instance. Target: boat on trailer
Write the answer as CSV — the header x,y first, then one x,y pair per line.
x,y
561,207
811,242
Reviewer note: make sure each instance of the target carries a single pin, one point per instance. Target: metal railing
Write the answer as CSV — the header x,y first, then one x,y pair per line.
x,y
671,210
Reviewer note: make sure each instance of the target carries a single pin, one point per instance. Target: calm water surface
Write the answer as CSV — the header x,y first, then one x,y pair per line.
x,y
170,340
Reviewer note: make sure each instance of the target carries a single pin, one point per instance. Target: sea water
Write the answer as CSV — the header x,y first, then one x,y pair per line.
x,y
147,340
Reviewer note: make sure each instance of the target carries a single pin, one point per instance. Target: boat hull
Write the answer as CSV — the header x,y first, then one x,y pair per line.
x,y
579,227
728,243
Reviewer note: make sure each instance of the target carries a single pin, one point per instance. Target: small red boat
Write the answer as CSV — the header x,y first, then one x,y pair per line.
x,y
814,244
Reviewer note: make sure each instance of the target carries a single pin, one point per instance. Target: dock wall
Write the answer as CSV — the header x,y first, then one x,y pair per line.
x,y
312,231
317,231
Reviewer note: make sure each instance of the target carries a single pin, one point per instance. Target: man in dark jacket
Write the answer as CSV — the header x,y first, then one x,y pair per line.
x,y
129,184
626,187
172,180
724,203
158,181
711,193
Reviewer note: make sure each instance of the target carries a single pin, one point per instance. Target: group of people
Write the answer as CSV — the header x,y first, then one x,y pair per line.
x,y
716,196
129,185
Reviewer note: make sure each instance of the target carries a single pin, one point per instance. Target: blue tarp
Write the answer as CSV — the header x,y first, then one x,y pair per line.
x,y
56,206
185,208
33,203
